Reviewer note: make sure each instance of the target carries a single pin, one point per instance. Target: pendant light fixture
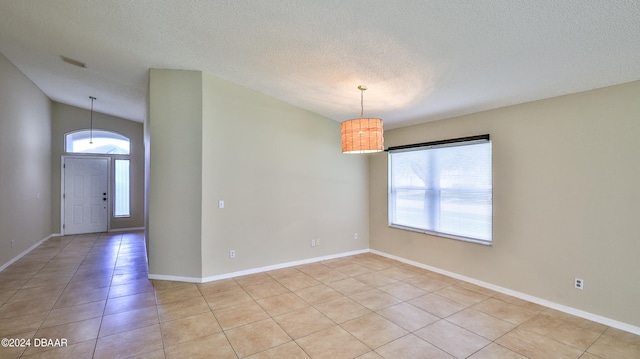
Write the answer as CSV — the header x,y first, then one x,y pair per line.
x,y
91,123
362,135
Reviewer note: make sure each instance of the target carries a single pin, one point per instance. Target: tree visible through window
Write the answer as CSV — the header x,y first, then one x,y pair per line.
x,y
443,189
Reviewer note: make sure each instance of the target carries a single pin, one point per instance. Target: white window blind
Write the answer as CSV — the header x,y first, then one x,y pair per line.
x,y
443,188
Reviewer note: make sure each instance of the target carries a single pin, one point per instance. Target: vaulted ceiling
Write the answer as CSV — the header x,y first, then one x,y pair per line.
x,y
421,60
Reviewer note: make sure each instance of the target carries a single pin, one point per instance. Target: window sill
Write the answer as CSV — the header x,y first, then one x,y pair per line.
x,y
444,235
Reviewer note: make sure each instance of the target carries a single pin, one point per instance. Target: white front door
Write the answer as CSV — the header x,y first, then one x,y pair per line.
x,y
86,201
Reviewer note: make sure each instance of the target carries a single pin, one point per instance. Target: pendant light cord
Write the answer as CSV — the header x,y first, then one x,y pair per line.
x,y
91,123
362,88
361,103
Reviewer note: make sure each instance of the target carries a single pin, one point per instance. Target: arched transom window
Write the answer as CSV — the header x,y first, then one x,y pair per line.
x,y
97,141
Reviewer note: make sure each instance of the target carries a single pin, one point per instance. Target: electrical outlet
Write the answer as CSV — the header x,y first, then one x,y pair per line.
x,y
578,283
317,241
12,243
355,236
232,253
313,243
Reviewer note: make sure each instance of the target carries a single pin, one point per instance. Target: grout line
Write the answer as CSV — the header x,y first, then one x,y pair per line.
x,y
363,260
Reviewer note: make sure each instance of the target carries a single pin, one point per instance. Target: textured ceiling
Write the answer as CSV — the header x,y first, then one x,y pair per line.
x,y
421,60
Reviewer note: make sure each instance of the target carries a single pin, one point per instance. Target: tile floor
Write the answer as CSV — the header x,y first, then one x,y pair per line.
x,y
93,291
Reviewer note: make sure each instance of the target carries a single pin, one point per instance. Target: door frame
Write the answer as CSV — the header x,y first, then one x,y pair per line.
x,y
62,188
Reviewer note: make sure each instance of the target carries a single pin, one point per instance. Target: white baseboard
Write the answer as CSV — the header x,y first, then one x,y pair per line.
x,y
560,307
255,270
16,258
132,229
175,278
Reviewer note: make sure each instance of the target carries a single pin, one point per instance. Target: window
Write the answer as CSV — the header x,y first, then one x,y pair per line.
x,y
443,188
104,142
121,198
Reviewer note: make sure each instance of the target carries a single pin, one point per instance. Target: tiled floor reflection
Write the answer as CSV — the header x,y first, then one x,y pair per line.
x,y
93,291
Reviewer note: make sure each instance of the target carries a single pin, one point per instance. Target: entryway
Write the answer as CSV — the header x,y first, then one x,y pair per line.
x,y
85,195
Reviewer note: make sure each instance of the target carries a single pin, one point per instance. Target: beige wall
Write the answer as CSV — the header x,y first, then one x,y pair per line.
x,y
284,181
25,170
175,173
566,195
278,168
67,119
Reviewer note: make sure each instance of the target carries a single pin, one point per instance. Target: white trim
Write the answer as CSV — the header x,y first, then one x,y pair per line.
x,y
560,307
132,229
255,270
14,259
175,278
62,194
443,235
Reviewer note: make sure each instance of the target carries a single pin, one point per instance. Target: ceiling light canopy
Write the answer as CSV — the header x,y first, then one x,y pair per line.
x,y
362,135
